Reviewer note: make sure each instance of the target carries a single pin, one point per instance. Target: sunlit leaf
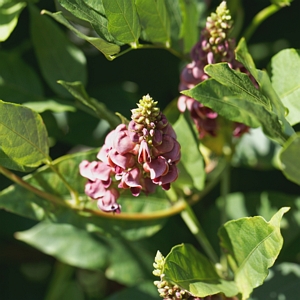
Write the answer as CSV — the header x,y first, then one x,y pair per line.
x,y
9,14
285,80
192,271
191,158
290,158
123,20
68,244
102,45
154,20
52,105
252,244
56,54
23,138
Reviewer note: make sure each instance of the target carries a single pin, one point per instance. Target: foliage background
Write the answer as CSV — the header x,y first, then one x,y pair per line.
x,y
26,272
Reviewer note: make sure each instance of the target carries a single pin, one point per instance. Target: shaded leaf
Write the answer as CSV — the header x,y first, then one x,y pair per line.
x,y
252,245
123,20
285,80
18,81
192,271
290,160
9,14
191,158
154,20
78,91
102,45
68,244
23,138
56,54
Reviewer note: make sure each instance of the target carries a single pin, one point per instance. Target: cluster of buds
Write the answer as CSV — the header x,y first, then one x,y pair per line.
x,y
214,46
140,156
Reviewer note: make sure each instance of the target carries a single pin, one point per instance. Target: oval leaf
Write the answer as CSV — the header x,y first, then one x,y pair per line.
x,y
23,138
253,245
123,21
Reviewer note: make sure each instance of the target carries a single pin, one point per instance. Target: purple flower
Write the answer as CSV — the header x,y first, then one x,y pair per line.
x,y
138,157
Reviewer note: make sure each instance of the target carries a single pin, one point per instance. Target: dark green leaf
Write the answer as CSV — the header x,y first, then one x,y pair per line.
x,y
290,158
191,158
68,244
252,244
92,12
174,13
9,14
189,29
123,20
23,138
154,20
285,80
58,58
192,271
78,91
102,45
19,83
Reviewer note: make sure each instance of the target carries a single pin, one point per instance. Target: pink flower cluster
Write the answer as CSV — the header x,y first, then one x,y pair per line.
x,y
214,47
138,157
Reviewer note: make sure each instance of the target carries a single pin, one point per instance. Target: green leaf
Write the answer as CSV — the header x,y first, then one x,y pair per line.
x,y
191,158
68,244
92,12
174,13
239,106
56,55
140,217
23,138
189,30
18,81
102,45
52,105
192,271
123,20
78,91
9,14
290,160
154,20
285,80
253,245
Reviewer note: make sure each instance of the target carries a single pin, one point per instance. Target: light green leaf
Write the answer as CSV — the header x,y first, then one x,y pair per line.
x,y
253,245
154,20
23,138
189,30
56,54
52,105
102,45
9,14
90,11
236,105
286,81
191,158
192,271
174,13
18,81
290,159
68,244
78,91
123,20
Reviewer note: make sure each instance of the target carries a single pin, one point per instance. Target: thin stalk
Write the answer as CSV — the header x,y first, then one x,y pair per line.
x,y
59,281
13,177
224,191
194,226
259,18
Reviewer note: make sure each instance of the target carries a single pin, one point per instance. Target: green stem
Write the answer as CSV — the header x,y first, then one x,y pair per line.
x,y
259,18
13,177
193,224
225,190
61,277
